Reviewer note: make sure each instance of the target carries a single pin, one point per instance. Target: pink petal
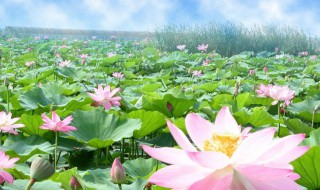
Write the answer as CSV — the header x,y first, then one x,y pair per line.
x,y
114,91
212,182
46,119
168,155
199,129
55,117
253,146
180,138
225,123
178,176
284,150
107,105
208,159
67,120
5,176
264,178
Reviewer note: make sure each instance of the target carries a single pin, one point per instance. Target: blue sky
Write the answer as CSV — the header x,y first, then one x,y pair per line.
x,y
146,15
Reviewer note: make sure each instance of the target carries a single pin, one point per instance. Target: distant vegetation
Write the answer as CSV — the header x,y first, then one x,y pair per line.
x,y
229,39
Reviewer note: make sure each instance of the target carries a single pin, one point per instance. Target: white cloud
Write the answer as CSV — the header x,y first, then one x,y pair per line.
x,y
266,12
123,14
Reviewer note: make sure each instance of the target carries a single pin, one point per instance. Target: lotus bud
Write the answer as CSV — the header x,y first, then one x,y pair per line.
x,y
265,69
169,107
236,89
74,183
251,72
316,108
41,169
6,82
117,172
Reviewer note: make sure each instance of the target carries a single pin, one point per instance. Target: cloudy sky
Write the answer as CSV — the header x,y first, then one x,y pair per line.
x,y
146,15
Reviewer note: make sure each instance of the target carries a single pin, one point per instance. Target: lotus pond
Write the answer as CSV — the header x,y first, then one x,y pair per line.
x,y
163,120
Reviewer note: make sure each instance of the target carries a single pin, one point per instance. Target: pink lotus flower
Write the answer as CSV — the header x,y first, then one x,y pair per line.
x,y
206,62
7,124
111,54
225,158
281,93
202,47
65,63
29,63
118,75
264,91
84,56
197,73
117,172
55,124
5,163
105,97
181,47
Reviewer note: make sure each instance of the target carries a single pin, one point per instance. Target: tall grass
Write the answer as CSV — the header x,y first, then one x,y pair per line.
x,y
229,38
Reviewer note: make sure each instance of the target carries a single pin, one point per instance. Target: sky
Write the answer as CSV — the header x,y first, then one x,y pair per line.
x,y
147,15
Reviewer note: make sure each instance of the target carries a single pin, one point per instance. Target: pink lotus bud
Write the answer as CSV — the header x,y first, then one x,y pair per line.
x,y
29,49
265,69
117,172
251,72
276,49
74,183
169,107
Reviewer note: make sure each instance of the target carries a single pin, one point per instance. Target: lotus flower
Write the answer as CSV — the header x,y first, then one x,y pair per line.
x,y
117,172
265,69
74,183
105,97
29,63
281,93
225,158
5,162
202,47
117,75
7,124
197,73
264,91
65,63
251,72
181,47
55,124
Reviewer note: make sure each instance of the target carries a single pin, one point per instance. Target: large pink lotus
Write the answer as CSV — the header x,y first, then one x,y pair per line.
x,y
105,97
7,123
277,93
55,124
5,163
224,158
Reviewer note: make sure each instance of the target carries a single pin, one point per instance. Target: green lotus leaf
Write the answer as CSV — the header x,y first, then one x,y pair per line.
x,y
297,126
305,109
32,125
21,184
141,167
151,121
99,129
26,147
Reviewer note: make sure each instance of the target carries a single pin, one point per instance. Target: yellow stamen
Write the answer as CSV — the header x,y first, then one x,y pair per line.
x,y
225,143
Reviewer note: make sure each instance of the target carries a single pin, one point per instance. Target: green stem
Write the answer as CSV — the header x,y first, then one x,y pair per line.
x,y
8,100
56,133
1,138
313,118
119,185
30,184
122,155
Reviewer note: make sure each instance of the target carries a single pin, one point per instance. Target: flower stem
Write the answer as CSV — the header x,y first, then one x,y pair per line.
x,y
56,133
313,113
8,100
31,182
119,185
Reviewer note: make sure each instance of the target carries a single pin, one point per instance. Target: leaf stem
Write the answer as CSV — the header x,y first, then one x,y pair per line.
x,y
56,133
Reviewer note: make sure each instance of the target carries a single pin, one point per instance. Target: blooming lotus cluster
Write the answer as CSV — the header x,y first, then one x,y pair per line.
x,y
226,158
7,123
202,47
55,124
105,97
277,93
5,163
181,47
